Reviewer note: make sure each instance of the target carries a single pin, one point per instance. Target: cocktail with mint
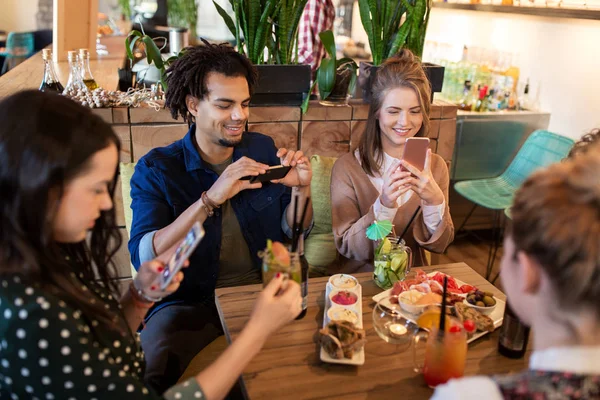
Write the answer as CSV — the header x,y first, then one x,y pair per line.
x,y
392,262
277,258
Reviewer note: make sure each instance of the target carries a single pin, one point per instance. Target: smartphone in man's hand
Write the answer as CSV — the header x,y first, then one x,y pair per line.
x,y
273,173
183,252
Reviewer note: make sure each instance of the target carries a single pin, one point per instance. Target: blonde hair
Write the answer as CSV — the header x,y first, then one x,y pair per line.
x,y
556,220
402,70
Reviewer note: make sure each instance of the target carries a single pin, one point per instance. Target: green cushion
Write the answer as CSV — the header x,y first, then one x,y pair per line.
x,y
126,172
320,249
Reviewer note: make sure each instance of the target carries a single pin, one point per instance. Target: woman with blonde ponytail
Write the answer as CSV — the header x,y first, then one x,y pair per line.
x,y
551,273
367,184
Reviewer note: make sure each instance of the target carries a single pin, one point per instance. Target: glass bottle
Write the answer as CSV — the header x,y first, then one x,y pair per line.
x,y
50,82
304,272
75,83
524,101
514,335
86,72
465,103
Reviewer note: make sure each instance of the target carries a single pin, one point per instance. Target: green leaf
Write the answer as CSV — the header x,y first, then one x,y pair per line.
x,y
152,52
130,45
329,43
365,17
226,18
264,27
253,21
400,39
306,101
326,77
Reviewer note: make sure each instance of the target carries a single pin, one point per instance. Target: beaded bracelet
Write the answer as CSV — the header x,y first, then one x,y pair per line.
x,y
136,291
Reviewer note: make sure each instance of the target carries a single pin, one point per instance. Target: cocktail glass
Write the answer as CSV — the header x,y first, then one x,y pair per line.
x,y
445,355
271,266
393,260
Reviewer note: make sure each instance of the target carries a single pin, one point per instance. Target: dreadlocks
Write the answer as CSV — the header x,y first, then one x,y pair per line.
x,y
187,75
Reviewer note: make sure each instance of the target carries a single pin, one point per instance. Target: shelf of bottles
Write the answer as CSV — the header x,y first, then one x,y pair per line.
x,y
484,80
580,9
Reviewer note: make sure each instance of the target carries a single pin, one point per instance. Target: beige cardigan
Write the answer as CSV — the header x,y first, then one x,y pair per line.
x,y
352,199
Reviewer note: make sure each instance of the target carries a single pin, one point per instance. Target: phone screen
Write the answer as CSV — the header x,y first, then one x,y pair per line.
x,y
183,252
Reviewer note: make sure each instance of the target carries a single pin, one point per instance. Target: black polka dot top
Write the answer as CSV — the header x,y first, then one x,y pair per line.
x,y
49,350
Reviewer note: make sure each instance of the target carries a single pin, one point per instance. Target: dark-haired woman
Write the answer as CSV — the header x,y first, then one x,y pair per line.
x,y
65,333
367,185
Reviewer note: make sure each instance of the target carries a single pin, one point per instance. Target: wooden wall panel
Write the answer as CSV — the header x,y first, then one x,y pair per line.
x,y
124,134
274,114
285,134
327,138
147,137
357,129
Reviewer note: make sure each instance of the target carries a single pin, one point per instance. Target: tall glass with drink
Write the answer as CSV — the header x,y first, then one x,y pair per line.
x,y
445,355
277,258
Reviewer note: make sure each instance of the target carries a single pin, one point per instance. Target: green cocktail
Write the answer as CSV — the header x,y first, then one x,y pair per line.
x,y
277,258
392,262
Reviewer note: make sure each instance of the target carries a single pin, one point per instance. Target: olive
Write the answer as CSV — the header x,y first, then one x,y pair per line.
x,y
480,304
471,301
489,301
488,294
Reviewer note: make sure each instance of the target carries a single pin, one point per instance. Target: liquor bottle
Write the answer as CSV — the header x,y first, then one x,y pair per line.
x,y
465,103
524,101
304,271
86,72
50,82
514,335
75,82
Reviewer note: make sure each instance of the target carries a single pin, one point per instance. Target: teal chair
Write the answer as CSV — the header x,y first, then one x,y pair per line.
x,y
19,46
541,149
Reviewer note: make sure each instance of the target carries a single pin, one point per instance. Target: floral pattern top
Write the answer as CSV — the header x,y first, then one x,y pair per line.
x,y
50,350
549,385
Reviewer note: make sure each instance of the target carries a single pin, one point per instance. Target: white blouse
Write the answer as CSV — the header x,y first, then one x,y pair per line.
x,y
432,215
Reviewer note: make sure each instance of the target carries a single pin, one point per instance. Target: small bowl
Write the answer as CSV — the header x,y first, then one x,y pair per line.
x,y
338,313
408,306
343,282
483,310
345,293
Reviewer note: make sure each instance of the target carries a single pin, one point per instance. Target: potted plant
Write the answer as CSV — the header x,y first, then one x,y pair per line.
x,y
266,31
387,35
183,14
153,55
335,78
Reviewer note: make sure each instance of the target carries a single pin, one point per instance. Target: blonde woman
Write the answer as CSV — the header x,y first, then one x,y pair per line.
x,y
367,184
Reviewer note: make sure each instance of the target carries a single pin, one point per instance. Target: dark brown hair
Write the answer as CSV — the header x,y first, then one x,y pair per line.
x,y
402,70
583,144
556,220
46,140
187,75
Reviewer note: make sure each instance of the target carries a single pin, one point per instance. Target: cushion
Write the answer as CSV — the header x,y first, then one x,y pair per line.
x,y
320,250
126,172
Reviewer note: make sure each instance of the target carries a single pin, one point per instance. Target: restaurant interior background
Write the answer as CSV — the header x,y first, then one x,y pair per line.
x,y
559,56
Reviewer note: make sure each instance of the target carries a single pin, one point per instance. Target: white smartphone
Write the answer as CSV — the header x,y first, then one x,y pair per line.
x,y
183,252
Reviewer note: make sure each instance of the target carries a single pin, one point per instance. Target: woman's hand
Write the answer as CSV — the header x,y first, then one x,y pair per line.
x,y
423,183
148,276
278,304
395,184
301,172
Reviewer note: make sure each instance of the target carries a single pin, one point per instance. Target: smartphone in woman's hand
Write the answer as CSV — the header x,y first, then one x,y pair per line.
x,y
415,152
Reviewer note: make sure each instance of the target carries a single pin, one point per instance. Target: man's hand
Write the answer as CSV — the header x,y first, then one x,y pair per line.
x,y
301,172
229,183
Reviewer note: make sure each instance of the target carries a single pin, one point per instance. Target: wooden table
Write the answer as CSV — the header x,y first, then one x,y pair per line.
x,y
289,365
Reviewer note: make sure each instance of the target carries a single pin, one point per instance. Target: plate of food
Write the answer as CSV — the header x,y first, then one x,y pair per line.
x,y
343,337
420,301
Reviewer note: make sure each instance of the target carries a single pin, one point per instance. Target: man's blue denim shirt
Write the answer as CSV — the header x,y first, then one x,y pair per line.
x,y
169,179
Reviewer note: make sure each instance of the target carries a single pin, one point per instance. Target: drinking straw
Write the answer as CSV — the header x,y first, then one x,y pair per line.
x,y
443,313
300,225
407,226
294,224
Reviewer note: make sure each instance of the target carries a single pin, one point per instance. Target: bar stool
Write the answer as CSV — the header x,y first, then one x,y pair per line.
x,y
19,46
540,149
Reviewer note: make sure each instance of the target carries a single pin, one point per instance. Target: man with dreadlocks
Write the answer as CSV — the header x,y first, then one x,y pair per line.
x,y
197,177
